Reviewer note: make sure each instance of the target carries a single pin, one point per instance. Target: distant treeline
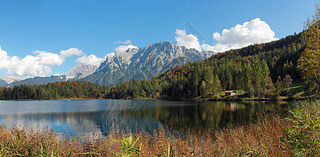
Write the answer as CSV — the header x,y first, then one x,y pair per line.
x,y
257,70
56,90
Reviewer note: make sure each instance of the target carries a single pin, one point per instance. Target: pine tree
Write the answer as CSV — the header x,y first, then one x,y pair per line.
x,y
216,84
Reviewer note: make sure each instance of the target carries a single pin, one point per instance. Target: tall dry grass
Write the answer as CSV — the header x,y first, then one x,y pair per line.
x,y
260,139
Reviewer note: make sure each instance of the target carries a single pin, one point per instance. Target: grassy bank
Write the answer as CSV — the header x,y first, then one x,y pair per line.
x,y
297,135
296,91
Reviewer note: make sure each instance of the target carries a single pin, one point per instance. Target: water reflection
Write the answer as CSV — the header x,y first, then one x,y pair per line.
x,y
85,117
208,115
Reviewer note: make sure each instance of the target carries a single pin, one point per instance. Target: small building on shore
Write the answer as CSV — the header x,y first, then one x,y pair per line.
x,y
230,92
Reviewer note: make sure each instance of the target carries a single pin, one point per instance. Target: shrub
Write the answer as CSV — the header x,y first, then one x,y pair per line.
x,y
128,147
303,138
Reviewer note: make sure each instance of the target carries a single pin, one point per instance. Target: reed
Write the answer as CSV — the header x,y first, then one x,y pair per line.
x,y
271,136
262,138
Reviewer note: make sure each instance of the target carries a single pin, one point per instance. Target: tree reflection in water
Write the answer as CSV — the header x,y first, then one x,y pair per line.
x,y
208,115
103,117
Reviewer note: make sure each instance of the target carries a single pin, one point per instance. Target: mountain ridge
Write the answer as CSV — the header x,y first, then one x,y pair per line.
x,y
4,81
39,80
144,63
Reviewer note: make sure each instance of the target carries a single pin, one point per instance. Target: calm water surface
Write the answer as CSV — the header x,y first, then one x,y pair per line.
x,y
84,117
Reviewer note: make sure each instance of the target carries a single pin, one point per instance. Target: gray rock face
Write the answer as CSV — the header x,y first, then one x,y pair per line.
x,y
81,71
144,63
3,83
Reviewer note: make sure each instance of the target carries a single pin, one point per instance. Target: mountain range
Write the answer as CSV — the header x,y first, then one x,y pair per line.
x,y
39,80
8,80
143,63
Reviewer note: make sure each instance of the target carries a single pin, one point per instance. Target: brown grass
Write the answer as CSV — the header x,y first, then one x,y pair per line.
x,y
260,139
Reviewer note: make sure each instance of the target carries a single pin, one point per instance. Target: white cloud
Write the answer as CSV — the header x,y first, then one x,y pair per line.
x,y
5,60
70,52
47,58
207,47
31,66
221,48
187,40
253,32
123,42
90,60
28,66
125,48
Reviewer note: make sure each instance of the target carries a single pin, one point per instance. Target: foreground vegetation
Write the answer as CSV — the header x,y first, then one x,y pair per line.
x,y
296,135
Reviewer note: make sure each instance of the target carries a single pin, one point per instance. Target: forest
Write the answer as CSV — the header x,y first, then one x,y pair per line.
x,y
51,91
262,70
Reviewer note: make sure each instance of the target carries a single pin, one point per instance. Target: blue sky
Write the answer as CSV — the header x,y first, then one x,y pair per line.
x,y
43,28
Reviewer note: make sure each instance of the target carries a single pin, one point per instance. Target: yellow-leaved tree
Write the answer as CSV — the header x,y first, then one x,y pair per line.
x,y
309,61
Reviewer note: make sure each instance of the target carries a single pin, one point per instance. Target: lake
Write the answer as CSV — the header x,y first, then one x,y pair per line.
x,y
104,116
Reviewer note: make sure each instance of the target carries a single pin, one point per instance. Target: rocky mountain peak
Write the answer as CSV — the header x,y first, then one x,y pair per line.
x,y
144,63
10,79
81,71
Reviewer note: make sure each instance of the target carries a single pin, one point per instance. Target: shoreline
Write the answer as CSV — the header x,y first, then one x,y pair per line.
x,y
261,99
183,99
